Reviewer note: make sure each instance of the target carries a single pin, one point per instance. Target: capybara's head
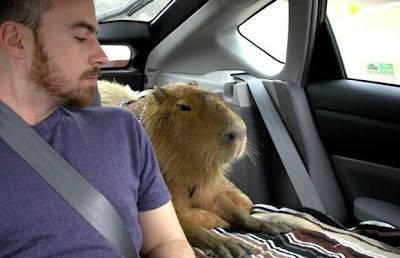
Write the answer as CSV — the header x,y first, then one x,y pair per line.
x,y
195,123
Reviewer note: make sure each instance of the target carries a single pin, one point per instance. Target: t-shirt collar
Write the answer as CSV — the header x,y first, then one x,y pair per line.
x,y
49,123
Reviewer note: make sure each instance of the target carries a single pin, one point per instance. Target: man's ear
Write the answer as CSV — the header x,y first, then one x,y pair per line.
x,y
13,39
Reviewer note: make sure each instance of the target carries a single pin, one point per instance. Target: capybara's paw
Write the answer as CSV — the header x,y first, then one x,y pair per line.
x,y
231,250
275,228
210,253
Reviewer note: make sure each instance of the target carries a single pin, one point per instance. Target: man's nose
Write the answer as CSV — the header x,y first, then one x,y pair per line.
x,y
98,57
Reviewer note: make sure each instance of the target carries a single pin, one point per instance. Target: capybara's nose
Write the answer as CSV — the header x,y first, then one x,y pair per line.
x,y
231,137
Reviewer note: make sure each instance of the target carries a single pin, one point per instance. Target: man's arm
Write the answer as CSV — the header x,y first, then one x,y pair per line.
x,y
162,234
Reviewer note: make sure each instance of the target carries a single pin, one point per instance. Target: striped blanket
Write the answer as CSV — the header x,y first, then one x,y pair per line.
x,y
316,235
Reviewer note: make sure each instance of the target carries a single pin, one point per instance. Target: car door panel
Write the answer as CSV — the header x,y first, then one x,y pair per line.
x,y
360,127
358,119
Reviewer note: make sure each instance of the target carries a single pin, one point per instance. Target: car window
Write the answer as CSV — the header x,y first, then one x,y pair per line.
x,y
368,36
134,10
268,29
118,56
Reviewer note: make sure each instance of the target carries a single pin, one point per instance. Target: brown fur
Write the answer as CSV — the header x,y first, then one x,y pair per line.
x,y
194,149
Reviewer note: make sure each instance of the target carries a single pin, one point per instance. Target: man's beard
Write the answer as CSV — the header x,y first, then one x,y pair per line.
x,y
48,77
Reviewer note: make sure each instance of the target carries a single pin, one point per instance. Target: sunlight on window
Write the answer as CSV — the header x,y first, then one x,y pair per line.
x,y
268,29
368,36
118,56
139,10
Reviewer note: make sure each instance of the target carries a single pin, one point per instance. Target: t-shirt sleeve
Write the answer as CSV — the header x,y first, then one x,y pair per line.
x,y
153,191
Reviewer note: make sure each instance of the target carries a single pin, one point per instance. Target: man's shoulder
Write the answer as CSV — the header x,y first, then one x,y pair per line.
x,y
102,115
96,112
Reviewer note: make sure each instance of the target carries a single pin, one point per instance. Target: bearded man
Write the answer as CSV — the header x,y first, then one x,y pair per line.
x,y
49,65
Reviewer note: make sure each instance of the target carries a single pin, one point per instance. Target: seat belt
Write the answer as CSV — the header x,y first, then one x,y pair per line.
x,y
69,183
287,151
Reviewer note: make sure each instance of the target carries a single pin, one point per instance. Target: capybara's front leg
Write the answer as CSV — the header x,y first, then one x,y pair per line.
x,y
204,218
241,219
237,196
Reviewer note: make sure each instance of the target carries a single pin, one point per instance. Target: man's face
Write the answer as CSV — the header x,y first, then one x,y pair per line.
x,y
66,53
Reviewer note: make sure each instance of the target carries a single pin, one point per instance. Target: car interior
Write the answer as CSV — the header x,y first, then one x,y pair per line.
x,y
345,129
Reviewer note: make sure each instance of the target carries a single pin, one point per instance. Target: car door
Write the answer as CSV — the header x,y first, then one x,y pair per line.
x,y
354,94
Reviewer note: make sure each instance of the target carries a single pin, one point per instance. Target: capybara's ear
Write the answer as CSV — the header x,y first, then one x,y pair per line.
x,y
159,94
194,84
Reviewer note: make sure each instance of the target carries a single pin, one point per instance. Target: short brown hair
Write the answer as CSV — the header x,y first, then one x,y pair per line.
x,y
26,12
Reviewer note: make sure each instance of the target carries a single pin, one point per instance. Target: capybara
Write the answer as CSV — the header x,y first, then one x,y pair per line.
x,y
196,137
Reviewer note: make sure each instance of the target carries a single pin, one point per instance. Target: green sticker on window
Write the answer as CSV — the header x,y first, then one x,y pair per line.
x,y
381,69
386,69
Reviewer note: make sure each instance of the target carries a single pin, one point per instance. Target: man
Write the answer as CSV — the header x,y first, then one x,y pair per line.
x,y
49,64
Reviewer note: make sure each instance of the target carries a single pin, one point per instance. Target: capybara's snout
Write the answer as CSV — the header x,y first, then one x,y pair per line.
x,y
234,136
237,133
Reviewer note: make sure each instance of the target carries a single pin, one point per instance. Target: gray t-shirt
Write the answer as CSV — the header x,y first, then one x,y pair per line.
x,y
108,146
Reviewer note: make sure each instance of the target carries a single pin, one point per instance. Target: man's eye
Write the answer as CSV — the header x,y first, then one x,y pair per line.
x,y
81,39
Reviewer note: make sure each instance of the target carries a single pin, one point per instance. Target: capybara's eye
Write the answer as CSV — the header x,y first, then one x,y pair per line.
x,y
184,107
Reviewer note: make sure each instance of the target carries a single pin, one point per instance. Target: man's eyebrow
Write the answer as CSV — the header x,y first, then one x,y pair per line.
x,y
85,25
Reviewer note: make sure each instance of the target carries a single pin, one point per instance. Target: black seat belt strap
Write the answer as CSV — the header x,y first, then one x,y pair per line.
x,y
69,183
287,151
